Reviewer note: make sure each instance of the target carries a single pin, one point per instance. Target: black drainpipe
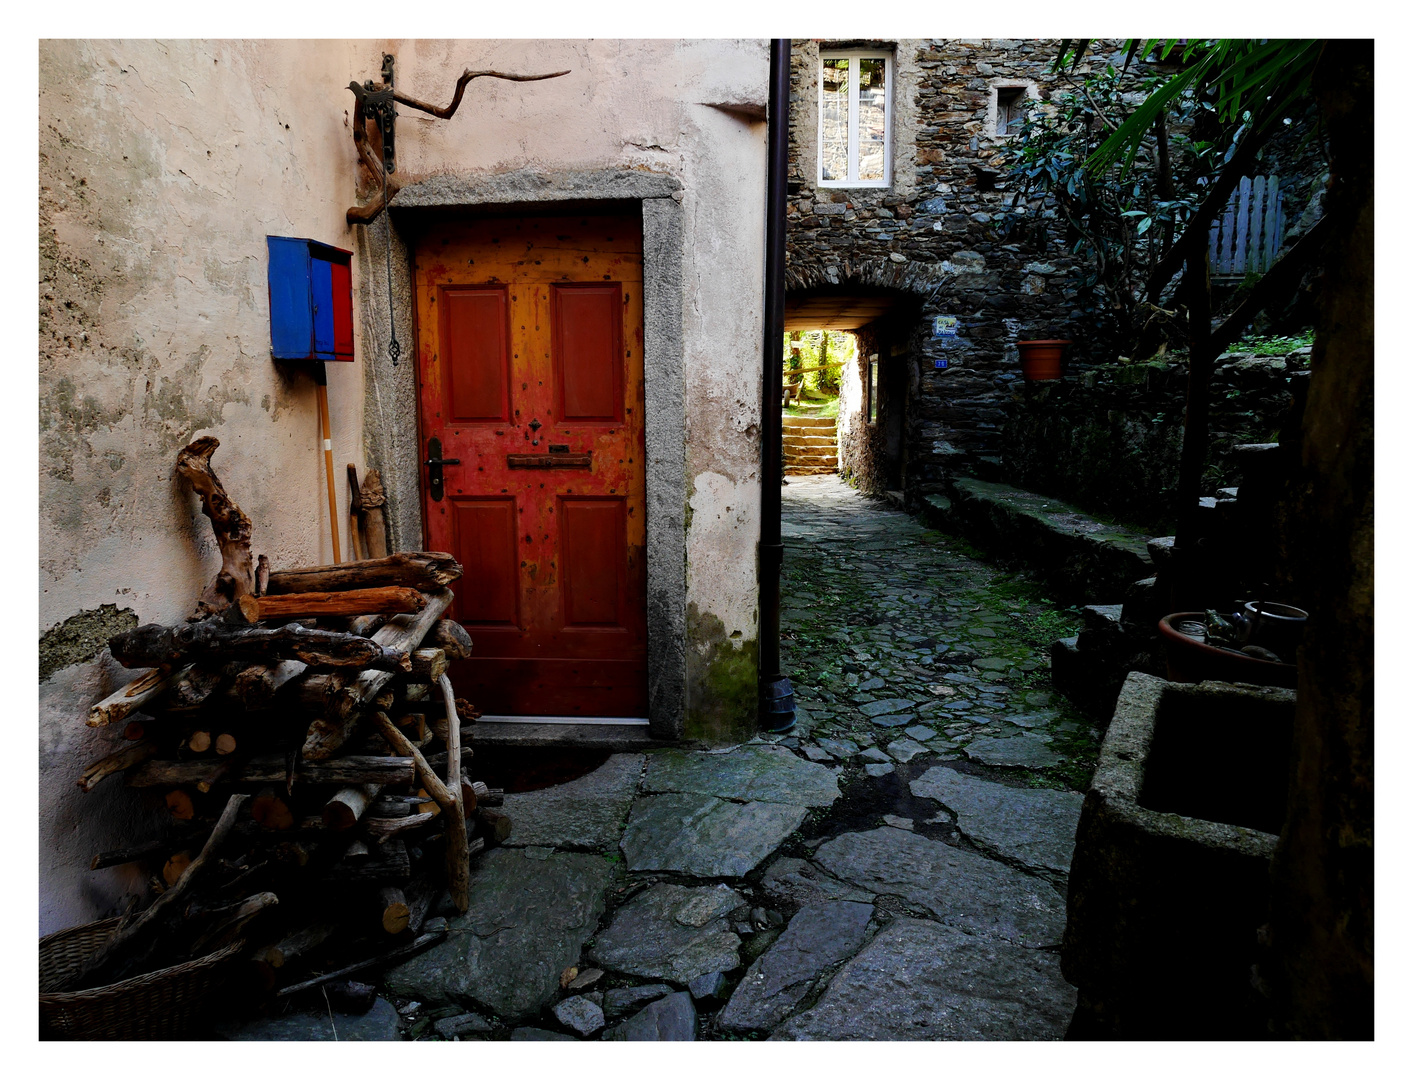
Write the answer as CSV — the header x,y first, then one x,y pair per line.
x,y
777,698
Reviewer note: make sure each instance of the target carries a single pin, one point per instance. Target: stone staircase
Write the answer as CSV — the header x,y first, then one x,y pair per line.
x,y
811,445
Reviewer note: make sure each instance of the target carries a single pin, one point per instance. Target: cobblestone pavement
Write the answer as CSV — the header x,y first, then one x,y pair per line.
x,y
894,868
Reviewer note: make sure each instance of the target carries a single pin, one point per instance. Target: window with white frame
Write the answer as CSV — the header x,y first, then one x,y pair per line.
x,y
855,119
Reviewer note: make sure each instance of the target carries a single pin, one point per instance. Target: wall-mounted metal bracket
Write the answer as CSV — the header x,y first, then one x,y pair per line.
x,y
377,103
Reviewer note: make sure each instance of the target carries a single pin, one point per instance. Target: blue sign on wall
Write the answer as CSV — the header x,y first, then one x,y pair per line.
x,y
311,300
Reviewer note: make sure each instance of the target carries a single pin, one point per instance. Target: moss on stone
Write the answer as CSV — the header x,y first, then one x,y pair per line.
x,y
82,637
722,682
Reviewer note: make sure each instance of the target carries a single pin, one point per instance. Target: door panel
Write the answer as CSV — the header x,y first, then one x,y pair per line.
x,y
592,567
588,351
483,536
476,330
530,361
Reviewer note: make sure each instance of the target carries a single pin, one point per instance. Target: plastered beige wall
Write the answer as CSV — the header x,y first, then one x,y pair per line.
x,y
163,165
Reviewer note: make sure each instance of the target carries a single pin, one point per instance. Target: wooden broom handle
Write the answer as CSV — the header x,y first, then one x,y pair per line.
x,y
322,386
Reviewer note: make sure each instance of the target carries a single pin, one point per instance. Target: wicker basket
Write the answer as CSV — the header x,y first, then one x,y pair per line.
x,y
159,1005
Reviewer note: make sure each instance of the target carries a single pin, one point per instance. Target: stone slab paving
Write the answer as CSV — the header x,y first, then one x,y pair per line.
x,y
671,932
961,889
704,836
1034,827
750,891
378,1024
752,773
1027,751
531,913
587,813
819,936
918,980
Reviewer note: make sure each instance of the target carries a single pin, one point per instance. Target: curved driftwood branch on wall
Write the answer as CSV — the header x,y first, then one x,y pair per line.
x,y
363,215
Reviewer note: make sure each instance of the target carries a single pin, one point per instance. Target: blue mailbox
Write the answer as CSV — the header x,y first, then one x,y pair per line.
x,y
311,300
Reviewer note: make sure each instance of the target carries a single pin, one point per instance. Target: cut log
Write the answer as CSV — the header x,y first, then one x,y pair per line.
x,y
382,829
116,762
458,856
429,664
450,636
107,963
469,801
270,811
492,825
190,690
384,600
376,961
348,804
415,692
262,576
105,859
199,742
180,805
121,704
228,522
426,571
366,625
227,924
257,685
225,743
355,524
272,769
403,633
134,730
371,501
395,912
295,944
154,645
389,865
219,773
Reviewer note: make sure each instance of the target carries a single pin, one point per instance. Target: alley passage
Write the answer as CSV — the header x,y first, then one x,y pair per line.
x,y
893,869
893,634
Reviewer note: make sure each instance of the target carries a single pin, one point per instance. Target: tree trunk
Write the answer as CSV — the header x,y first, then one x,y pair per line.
x,y
348,804
352,769
1322,911
426,571
228,522
153,645
121,704
383,600
116,762
450,636
375,528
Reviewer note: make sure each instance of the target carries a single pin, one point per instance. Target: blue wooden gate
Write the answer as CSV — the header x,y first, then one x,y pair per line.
x,y
1247,234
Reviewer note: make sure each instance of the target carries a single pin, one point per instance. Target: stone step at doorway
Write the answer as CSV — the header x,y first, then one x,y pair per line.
x,y
810,445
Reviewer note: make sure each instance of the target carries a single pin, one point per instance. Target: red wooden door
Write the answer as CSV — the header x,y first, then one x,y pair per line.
x,y
530,363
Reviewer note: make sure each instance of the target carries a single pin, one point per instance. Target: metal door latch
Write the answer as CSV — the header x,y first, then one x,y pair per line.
x,y
434,464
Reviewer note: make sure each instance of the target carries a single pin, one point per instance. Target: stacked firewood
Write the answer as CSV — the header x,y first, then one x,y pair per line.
x,y
303,733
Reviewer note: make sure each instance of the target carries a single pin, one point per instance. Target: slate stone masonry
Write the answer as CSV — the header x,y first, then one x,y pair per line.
x,y
931,236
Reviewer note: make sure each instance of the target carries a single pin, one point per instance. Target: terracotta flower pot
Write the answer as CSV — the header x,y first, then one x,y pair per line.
x,y
1190,660
1041,360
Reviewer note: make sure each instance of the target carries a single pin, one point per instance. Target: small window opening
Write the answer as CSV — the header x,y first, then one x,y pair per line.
x,y
872,389
1010,110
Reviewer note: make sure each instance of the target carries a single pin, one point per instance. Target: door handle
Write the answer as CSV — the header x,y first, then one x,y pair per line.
x,y
434,463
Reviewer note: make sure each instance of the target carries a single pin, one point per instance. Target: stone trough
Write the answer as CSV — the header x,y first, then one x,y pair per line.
x,y
1170,876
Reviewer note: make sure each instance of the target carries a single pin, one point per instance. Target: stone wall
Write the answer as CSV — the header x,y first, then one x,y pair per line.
x,y
1109,438
932,237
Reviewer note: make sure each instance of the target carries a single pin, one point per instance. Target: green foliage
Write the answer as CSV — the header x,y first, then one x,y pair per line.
x,y
1273,346
1238,78
1118,221
810,348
